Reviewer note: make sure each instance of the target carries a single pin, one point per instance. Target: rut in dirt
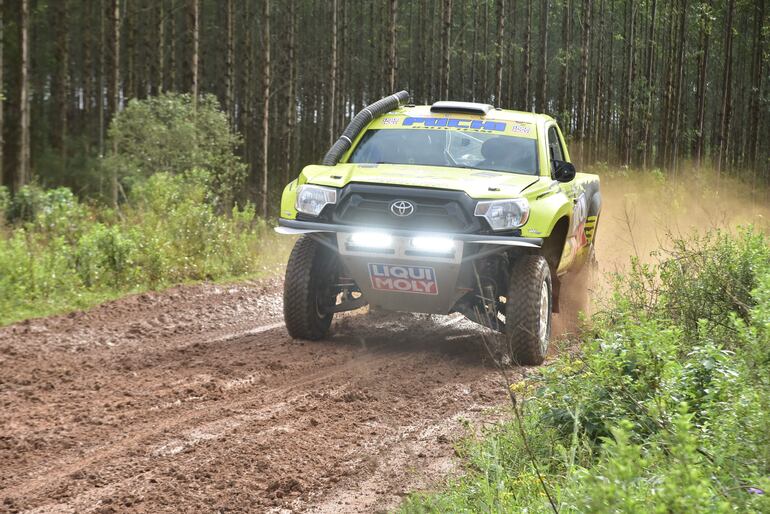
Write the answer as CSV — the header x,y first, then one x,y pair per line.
x,y
196,399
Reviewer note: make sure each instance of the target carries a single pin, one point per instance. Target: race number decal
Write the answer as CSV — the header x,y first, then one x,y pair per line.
x,y
403,279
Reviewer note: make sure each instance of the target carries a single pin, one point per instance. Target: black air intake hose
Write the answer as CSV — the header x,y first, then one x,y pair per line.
x,y
358,123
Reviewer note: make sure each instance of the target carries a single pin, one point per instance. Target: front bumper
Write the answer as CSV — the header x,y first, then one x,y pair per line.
x,y
286,226
397,277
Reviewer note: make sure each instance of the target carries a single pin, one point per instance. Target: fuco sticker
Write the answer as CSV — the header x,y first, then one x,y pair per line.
x,y
403,279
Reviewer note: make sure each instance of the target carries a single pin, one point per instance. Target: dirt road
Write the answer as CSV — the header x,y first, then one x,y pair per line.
x,y
196,399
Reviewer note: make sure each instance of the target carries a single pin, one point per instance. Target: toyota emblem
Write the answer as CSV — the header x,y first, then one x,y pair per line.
x,y
402,208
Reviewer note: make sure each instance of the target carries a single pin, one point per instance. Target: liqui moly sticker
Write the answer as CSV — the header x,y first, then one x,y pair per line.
x,y
403,279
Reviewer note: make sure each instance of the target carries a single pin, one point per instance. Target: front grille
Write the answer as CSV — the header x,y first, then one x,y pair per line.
x,y
435,210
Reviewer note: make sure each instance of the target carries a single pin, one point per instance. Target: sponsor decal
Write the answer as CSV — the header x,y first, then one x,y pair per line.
x,y
492,126
403,279
579,218
520,129
390,121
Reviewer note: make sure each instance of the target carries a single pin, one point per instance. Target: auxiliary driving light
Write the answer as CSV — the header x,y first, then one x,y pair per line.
x,y
371,240
433,244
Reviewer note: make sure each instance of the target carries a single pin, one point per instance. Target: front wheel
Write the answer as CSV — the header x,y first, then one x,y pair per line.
x,y
307,291
528,310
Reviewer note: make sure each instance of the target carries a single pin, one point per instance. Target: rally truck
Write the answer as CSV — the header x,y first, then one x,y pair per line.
x,y
443,208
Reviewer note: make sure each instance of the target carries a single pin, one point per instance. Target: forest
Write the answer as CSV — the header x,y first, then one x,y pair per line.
x,y
647,84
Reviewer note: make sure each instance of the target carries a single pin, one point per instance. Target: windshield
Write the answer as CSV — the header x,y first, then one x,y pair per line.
x,y
452,148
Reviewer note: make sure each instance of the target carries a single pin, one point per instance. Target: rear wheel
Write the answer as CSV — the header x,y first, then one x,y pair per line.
x,y
528,310
308,291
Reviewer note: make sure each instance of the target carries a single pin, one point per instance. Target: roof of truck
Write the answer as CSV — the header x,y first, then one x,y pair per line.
x,y
494,113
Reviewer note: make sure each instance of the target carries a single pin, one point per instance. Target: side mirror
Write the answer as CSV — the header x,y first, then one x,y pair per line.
x,y
563,171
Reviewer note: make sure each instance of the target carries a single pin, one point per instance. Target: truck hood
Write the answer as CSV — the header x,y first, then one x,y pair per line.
x,y
475,183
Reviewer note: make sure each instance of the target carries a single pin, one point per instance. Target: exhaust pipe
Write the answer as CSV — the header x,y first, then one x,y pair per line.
x,y
358,123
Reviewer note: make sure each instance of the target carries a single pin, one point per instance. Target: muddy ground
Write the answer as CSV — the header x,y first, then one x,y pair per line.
x,y
196,399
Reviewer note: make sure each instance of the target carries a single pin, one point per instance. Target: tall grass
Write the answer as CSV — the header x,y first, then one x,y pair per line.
x,y
663,407
58,254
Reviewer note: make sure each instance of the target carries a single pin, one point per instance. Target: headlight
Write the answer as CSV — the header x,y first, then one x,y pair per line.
x,y
504,214
312,199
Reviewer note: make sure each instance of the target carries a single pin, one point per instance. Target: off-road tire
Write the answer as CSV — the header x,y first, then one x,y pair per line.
x,y
301,289
523,310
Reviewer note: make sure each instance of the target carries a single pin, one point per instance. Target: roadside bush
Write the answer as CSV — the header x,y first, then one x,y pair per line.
x,y
61,254
664,408
167,133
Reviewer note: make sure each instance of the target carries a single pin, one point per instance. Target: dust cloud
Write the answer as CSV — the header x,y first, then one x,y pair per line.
x,y
641,213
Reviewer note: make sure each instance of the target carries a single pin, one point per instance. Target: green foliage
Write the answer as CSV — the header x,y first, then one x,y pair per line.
x,y
60,254
166,133
5,202
664,409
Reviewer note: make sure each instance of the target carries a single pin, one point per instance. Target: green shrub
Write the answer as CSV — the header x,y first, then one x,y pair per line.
x,y
61,255
665,408
166,133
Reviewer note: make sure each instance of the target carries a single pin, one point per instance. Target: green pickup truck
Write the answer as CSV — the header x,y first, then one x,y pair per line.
x,y
450,207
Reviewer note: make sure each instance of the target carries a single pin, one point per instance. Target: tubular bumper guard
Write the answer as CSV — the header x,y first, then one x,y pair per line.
x,y
286,226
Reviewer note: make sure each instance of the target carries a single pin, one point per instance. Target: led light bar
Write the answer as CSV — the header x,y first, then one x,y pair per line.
x,y
370,240
432,244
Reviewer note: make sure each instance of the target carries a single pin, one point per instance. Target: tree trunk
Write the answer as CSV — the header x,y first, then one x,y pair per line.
x,y
392,59
158,75
485,75
584,47
114,85
61,88
173,73
22,176
129,50
665,125
446,49
333,75
266,101
724,117
543,89
705,32
564,109
194,27
511,98
627,120
528,57
679,87
756,85
499,52
598,94
87,77
230,59
648,81
474,51
291,108
102,69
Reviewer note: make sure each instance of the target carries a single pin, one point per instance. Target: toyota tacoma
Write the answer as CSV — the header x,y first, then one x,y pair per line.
x,y
451,207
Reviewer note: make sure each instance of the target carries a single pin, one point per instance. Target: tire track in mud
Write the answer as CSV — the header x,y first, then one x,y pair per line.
x,y
196,399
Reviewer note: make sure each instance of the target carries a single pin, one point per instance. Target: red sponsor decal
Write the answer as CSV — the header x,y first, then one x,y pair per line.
x,y
403,279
